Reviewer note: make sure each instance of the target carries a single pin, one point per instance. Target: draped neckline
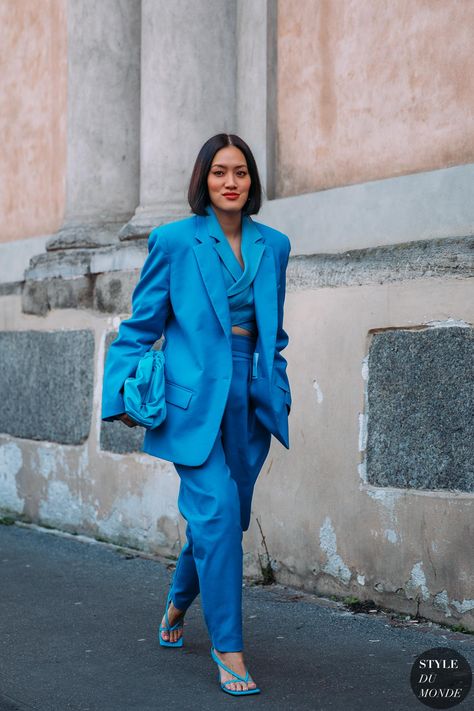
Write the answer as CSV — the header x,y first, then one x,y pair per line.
x,y
242,277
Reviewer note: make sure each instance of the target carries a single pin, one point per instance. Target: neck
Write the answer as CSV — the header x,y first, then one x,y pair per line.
x,y
230,222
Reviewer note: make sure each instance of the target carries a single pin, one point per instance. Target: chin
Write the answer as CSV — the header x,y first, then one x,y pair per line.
x,y
230,206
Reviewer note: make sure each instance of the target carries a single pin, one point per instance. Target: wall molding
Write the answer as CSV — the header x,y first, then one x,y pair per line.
x,y
419,206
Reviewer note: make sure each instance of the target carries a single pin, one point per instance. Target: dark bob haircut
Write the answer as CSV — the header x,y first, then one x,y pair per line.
x,y
198,194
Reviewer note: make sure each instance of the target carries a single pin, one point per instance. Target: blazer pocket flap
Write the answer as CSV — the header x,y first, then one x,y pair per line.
x,y
177,394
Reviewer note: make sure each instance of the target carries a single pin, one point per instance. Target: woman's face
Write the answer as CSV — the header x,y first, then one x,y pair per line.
x,y
228,180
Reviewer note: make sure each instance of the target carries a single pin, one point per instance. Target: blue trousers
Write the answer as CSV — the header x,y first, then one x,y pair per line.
x,y
215,499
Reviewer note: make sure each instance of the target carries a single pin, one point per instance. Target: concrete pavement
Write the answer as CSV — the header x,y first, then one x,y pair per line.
x,y
79,620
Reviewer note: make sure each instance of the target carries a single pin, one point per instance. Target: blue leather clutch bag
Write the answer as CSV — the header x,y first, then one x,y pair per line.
x,y
144,394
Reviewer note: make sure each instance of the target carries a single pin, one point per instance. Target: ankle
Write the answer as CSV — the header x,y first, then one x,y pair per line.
x,y
176,609
239,656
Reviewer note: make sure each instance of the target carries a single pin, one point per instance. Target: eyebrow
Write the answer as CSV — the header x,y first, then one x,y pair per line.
x,y
219,165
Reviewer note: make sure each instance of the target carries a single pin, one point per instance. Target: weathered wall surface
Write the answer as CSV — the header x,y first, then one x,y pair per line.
x,y
402,546
372,90
375,496
78,487
33,106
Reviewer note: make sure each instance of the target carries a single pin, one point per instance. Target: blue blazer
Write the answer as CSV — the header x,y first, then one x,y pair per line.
x,y
181,294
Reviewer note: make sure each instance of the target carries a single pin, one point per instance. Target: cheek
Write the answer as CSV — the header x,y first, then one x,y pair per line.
x,y
212,184
246,185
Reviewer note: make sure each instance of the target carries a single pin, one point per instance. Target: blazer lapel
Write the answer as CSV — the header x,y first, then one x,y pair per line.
x,y
208,262
264,292
264,283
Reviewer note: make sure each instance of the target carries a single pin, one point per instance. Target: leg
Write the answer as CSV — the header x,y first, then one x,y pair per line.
x,y
185,579
184,588
246,444
209,501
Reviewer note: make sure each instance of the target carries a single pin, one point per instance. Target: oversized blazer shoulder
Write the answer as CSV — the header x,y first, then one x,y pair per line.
x,y
181,294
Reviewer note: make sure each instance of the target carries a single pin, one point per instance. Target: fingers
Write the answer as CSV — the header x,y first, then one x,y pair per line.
x,y
128,421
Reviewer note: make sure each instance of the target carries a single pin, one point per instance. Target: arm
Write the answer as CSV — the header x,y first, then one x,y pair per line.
x,y
150,309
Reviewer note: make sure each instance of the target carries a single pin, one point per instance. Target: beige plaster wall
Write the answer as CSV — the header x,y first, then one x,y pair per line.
x,y
368,90
33,70
326,529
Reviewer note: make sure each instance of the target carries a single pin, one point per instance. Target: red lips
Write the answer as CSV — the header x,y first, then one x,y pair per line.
x,y
231,196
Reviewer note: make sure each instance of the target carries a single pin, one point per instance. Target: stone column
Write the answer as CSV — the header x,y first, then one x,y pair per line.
x,y
103,119
257,84
188,93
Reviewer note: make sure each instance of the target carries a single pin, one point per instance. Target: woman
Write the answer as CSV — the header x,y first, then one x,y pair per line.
x,y
214,285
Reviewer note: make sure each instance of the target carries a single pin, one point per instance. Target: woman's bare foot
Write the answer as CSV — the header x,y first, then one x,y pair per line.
x,y
234,660
173,616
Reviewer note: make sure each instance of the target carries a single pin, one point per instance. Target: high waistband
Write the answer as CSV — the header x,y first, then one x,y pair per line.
x,y
243,344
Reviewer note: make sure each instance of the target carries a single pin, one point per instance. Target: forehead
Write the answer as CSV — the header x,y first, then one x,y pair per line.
x,y
230,155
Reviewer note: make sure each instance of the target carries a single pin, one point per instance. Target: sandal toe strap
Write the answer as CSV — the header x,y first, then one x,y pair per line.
x,y
167,628
231,671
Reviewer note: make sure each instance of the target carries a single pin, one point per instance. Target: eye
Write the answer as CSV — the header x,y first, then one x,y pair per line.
x,y
242,173
217,172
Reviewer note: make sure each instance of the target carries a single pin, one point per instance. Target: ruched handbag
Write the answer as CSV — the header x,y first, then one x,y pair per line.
x,y
144,393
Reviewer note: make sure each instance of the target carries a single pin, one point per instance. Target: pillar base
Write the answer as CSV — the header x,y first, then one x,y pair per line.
x,y
144,221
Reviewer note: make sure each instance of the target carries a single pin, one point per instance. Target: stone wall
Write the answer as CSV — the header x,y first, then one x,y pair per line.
x,y
374,497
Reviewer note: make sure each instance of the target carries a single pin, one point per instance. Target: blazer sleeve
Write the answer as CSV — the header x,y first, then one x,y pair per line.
x,y
150,310
282,338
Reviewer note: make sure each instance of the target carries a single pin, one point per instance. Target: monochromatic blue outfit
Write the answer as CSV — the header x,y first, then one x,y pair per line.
x,y
226,393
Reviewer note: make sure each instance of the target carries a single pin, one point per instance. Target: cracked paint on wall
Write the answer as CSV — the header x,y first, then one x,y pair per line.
x,y
61,499
335,566
390,535
441,600
48,457
362,432
464,606
417,581
388,498
363,420
11,462
147,512
319,392
447,323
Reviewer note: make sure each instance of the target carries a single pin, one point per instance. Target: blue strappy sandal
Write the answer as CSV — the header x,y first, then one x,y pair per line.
x,y
245,678
178,625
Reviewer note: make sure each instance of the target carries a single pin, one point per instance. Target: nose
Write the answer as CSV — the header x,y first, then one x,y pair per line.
x,y
230,180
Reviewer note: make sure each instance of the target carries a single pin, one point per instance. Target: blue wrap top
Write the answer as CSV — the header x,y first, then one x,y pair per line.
x,y
238,281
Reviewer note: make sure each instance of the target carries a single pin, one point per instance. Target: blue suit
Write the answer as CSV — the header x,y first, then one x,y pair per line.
x,y
226,394
182,293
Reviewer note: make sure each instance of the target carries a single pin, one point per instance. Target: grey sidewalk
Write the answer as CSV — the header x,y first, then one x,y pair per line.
x,y
78,625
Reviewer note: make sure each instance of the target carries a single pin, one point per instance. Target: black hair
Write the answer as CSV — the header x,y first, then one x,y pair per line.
x,y
198,194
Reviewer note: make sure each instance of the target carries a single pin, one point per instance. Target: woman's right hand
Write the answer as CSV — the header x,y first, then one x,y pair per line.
x,y
128,420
